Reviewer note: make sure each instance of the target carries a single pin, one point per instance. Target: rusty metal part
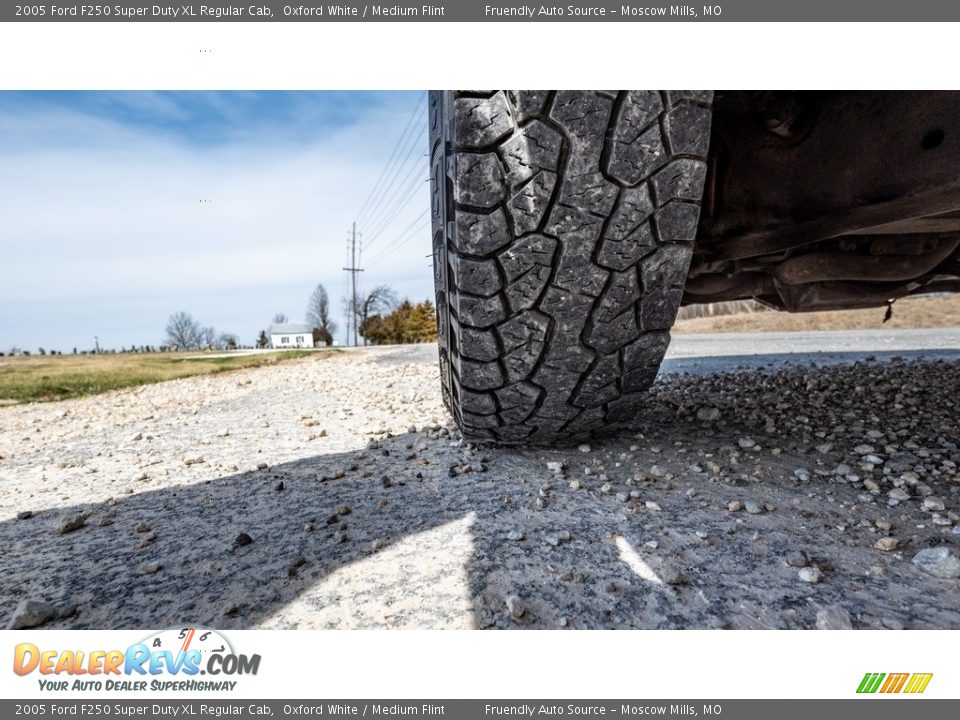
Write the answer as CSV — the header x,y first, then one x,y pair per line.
x,y
840,266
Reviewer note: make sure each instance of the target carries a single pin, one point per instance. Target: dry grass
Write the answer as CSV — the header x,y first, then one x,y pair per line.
x,y
57,377
918,312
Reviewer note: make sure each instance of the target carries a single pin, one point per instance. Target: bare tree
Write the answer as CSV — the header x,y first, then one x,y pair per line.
x,y
208,337
183,332
379,301
318,314
280,318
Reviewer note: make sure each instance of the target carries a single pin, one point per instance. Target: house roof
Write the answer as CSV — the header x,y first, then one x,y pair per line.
x,y
290,329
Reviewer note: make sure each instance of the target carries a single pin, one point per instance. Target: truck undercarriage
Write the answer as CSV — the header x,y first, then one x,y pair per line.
x,y
829,200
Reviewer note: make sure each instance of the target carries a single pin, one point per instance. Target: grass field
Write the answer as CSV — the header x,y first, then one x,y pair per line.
x,y
917,312
58,377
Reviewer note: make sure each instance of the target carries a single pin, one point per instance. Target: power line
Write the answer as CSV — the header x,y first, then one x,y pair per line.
x,y
408,233
396,149
413,184
386,197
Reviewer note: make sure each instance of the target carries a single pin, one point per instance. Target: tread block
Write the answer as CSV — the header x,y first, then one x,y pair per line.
x,y
666,267
680,180
688,127
534,148
478,344
526,327
478,312
632,162
479,180
518,401
659,308
610,336
480,122
586,421
477,277
480,375
576,270
523,342
622,294
480,422
529,252
618,255
481,234
477,403
574,224
591,192
523,293
677,221
585,117
633,209
529,205
529,103
638,110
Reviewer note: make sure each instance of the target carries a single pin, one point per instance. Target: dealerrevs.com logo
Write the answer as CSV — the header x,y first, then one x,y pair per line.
x,y
168,660
912,683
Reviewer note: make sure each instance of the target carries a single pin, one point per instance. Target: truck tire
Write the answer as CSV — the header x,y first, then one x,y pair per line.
x,y
563,227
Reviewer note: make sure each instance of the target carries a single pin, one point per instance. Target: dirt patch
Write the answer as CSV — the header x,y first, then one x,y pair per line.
x,y
917,312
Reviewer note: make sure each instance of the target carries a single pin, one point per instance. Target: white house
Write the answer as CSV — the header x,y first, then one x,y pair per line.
x,y
290,335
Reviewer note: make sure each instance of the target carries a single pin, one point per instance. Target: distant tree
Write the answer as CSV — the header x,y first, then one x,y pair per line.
x,y
183,332
280,318
227,341
41,351
262,339
321,338
208,337
379,301
406,323
318,315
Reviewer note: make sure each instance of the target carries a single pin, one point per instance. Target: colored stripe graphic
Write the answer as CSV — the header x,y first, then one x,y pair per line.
x,y
894,683
870,682
918,682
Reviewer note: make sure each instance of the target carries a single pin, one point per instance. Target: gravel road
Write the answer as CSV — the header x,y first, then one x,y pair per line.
x,y
759,490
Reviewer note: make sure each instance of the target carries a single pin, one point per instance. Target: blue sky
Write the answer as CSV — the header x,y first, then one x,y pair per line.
x,y
103,231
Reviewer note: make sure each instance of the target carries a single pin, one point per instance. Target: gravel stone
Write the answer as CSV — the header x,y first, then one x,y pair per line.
x,y
810,574
708,414
939,562
886,544
515,607
71,523
30,614
833,618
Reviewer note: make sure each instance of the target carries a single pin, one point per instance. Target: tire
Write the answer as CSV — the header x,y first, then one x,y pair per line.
x,y
563,226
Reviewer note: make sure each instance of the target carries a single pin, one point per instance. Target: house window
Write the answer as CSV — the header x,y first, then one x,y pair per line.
x,y
299,339
284,340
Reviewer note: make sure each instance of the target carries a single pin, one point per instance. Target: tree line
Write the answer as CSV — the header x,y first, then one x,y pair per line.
x,y
381,319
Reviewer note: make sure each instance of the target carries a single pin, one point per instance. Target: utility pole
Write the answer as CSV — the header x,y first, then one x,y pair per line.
x,y
353,270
